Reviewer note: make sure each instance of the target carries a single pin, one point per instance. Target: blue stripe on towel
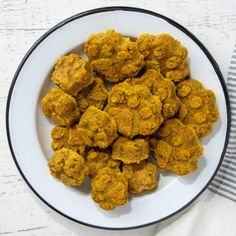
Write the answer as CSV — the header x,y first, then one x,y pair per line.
x,y
224,183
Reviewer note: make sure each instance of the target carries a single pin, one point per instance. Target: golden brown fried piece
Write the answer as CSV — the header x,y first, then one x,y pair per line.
x,y
67,137
141,177
165,54
96,160
198,106
165,90
130,151
68,166
113,56
94,95
71,74
109,188
97,128
60,107
176,147
148,79
135,109
161,87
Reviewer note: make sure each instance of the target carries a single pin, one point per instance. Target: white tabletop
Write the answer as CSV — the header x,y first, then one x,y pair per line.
x,y
22,22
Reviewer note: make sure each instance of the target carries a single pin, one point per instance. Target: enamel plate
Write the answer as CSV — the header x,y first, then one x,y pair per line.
x,y
29,131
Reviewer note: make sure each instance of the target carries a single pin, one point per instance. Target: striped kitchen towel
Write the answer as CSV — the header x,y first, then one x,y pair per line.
x,y
224,182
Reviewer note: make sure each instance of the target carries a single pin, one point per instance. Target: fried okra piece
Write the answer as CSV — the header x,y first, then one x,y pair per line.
x,y
60,107
109,188
113,56
198,106
141,177
165,54
135,109
71,74
130,151
94,95
68,166
96,160
67,137
176,148
161,87
97,128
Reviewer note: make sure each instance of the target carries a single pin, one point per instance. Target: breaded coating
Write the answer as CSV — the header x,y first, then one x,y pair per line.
x,y
60,107
165,54
141,177
68,166
198,106
176,148
109,188
161,87
135,109
94,95
165,90
130,151
67,137
71,74
148,79
97,128
113,56
97,159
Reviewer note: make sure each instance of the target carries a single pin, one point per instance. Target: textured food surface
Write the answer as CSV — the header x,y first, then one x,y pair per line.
x,y
141,177
164,53
60,107
71,74
130,151
98,159
109,188
113,56
94,95
176,147
97,128
68,166
67,137
135,109
198,106
161,87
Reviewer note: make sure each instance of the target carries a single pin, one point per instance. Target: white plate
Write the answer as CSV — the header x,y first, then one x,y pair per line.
x,y
29,131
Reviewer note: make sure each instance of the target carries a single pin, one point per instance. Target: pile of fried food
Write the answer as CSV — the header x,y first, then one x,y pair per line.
x,y
130,98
